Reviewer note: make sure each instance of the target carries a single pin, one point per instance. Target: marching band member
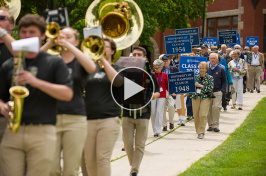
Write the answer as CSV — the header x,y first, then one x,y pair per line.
x,y
71,116
135,125
32,148
102,115
7,22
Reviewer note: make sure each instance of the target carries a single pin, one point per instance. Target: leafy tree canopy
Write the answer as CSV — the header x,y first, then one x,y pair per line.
x,y
158,14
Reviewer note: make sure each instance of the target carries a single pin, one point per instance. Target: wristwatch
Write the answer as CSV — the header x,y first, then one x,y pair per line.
x,y
2,33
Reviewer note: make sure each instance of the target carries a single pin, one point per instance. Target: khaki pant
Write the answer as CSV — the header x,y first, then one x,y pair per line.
x,y
200,113
71,136
214,110
30,150
3,126
101,137
254,73
171,110
135,130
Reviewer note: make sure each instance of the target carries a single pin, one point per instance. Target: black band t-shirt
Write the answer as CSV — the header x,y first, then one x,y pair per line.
x,y
39,107
99,101
145,112
4,53
77,105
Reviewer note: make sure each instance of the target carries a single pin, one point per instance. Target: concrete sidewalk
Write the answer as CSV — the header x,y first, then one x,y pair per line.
x,y
175,152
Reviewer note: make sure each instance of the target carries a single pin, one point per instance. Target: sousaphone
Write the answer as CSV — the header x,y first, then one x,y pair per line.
x,y
121,20
13,6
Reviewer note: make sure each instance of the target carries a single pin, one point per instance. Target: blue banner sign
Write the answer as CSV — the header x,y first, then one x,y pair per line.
x,y
194,32
177,44
200,41
181,82
190,63
210,41
238,42
227,37
252,41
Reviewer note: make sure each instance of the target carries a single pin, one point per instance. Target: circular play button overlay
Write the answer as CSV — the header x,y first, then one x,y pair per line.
x,y
136,90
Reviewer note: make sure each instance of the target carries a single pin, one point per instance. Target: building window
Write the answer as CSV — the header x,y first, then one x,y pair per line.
x,y
264,35
221,24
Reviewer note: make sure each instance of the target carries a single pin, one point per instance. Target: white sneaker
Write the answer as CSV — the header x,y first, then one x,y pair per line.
x,y
183,121
179,122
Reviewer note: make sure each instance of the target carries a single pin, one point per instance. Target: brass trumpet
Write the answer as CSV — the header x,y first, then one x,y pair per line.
x,y
52,32
94,47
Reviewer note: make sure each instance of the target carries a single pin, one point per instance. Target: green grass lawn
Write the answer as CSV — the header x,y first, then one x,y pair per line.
x,y
243,152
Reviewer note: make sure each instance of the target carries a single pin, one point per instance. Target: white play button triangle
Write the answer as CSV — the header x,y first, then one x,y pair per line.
x,y
131,88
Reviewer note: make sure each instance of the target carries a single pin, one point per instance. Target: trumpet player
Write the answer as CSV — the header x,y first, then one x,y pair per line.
x,y
32,147
71,121
102,114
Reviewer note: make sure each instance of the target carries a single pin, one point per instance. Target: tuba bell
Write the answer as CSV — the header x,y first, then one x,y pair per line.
x,y
13,6
121,21
17,94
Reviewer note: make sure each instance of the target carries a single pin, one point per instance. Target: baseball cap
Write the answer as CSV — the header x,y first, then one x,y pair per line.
x,y
165,57
204,46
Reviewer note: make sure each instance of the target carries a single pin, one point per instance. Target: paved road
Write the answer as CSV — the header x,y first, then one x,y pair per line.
x,y
175,152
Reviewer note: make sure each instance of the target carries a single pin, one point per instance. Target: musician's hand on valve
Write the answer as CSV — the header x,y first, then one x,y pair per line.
x,y
26,77
51,42
63,42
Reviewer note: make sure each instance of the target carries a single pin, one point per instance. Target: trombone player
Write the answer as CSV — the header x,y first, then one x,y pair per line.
x,y
33,145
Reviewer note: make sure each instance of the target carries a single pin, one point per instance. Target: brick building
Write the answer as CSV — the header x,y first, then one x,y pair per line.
x,y
248,17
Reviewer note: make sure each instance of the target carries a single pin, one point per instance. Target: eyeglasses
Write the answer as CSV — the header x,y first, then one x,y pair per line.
x,y
237,48
156,68
3,18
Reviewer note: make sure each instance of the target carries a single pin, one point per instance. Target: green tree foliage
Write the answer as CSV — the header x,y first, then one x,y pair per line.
x,y
158,14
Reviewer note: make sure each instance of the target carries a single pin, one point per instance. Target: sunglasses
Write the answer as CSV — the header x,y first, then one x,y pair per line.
x,y
3,18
